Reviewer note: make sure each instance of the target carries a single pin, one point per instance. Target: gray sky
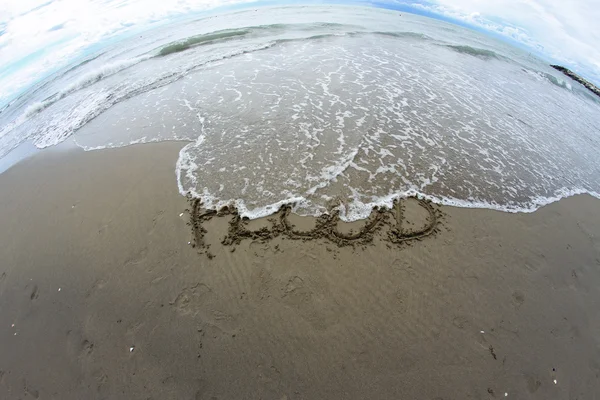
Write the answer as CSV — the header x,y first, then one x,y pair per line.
x,y
38,36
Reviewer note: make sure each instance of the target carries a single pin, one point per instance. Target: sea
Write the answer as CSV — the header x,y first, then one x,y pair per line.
x,y
327,107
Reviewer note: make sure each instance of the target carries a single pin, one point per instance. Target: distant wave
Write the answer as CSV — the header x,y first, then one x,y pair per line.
x,y
201,40
102,72
234,34
563,84
410,35
86,80
230,34
105,99
545,76
265,33
475,52
78,65
556,81
59,75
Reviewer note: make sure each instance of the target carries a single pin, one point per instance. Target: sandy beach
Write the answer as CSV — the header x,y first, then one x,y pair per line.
x,y
103,296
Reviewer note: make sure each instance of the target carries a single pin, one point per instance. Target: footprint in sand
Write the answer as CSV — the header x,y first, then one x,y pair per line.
x,y
189,300
101,378
29,390
259,249
201,302
261,283
518,298
460,321
157,218
401,300
401,266
98,285
34,293
87,348
78,347
533,384
594,365
308,299
296,291
295,283
136,258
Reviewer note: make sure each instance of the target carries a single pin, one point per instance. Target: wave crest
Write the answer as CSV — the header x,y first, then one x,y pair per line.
x,y
475,52
200,40
408,35
83,82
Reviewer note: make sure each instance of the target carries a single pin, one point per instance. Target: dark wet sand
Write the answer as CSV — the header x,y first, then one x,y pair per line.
x,y
285,319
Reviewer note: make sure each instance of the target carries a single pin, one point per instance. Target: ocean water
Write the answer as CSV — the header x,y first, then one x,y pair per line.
x,y
328,106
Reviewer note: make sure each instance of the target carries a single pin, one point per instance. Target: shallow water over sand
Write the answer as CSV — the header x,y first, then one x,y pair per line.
x,y
347,106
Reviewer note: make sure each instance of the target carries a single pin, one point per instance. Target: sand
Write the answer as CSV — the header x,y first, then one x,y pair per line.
x,y
109,301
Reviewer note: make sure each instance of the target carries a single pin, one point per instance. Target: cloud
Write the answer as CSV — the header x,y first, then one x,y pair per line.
x,y
39,36
567,31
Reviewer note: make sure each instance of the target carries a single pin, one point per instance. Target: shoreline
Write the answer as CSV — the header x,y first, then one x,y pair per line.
x,y
493,303
27,151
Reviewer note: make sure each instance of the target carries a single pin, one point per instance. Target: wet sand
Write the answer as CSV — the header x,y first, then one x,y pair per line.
x,y
111,298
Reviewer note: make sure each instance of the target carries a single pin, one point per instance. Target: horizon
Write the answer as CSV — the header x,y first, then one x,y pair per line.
x,y
38,59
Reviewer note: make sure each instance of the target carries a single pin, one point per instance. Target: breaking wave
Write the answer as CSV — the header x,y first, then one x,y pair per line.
x,y
82,83
407,35
359,114
475,52
115,67
200,40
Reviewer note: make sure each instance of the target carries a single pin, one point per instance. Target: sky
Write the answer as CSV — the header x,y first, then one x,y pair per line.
x,y
37,37
565,30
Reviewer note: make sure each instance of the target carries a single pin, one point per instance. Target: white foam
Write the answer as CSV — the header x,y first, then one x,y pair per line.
x,y
444,141
418,126
357,210
86,80
185,167
102,72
